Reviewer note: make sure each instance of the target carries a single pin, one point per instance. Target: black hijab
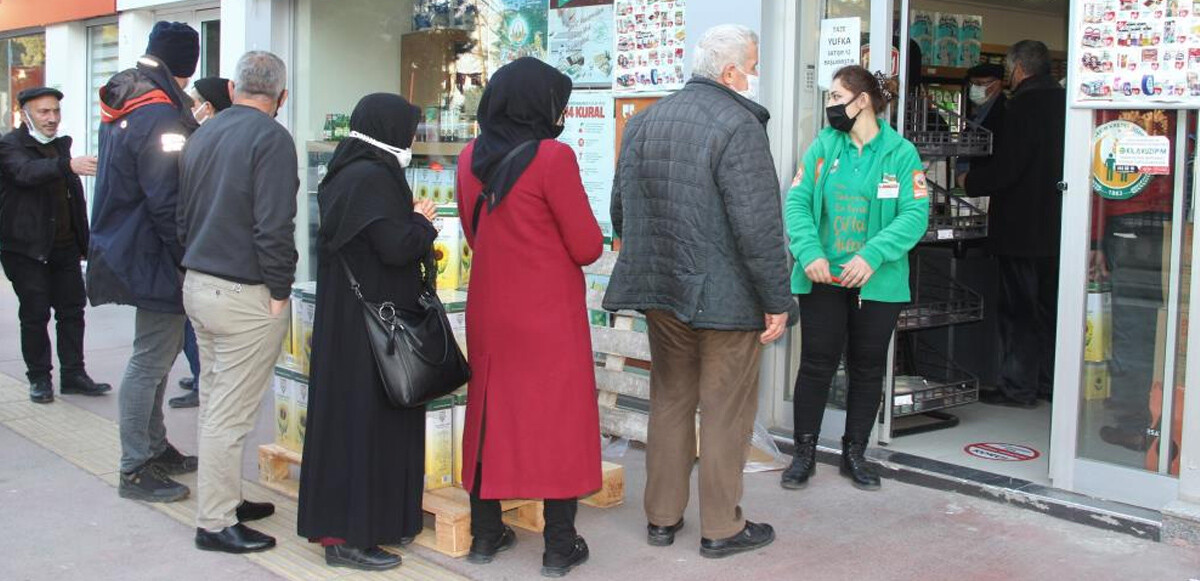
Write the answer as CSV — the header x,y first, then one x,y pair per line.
x,y
523,101
347,209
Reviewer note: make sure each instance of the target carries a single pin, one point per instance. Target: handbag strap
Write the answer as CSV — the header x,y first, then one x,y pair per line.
x,y
488,193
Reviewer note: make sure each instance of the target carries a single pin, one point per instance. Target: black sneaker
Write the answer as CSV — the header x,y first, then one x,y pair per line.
x,y
189,400
997,397
484,550
658,536
174,463
555,564
41,391
753,536
188,383
81,384
150,484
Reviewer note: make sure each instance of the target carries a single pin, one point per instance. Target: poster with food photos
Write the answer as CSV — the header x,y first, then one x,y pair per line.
x,y
650,41
1137,53
581,41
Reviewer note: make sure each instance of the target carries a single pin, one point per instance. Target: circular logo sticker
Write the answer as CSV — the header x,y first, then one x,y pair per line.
x,y
1002,452
1107,181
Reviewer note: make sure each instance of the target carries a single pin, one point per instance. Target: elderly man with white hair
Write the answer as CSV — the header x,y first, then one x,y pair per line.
x,y
236,221
696,202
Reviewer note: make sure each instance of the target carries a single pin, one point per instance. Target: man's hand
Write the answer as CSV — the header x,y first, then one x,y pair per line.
x,y
425,208
776,325
84,166
277,306
856,273
1097,266
818,271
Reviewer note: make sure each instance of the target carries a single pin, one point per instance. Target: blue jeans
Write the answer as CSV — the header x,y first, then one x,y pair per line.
x,y
192,353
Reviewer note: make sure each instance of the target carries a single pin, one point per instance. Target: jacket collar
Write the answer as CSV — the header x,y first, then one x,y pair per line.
x,y
62,143
759,111
147,83
1036,83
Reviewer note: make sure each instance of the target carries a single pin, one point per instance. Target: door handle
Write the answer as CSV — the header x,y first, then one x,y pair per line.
x,y
1062,187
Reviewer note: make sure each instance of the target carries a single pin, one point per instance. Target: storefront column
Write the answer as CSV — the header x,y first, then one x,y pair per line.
x,y
67,72
247,25
1181,519
134,28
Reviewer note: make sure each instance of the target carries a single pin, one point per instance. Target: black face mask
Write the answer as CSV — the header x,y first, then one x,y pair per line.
x,y
838,119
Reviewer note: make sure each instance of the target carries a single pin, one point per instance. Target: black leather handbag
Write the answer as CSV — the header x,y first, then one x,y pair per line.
x,y
416,354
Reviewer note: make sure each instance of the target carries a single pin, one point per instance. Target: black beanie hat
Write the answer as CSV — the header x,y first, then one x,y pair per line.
x,y
215,90
177,45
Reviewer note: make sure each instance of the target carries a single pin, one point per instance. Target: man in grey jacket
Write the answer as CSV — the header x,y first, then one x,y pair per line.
x,y
696,203
236,220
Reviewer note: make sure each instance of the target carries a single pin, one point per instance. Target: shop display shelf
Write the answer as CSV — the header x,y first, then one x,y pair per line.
x,y
938,301
927,381
953,218
940,132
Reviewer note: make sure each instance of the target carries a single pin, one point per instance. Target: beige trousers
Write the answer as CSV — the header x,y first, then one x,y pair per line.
x,y
716,371
239,342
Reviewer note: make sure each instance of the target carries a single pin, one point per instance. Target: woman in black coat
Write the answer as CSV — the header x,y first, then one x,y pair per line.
x,y
362,478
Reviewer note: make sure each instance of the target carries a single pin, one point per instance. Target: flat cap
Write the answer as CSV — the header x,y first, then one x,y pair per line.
x,y
30,94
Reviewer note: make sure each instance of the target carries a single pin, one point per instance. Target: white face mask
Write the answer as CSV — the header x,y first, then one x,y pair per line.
x,y
404,156
33,131
751,91
978,94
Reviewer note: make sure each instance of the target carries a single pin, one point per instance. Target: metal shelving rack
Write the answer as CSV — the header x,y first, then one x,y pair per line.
x,y
922,382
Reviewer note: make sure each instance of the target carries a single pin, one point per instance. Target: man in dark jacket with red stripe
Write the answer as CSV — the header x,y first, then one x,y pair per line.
x,y
135,255
43,238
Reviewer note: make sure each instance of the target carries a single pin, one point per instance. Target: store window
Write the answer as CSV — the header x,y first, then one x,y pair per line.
x,y
1138,292
103,63
210,54
23,59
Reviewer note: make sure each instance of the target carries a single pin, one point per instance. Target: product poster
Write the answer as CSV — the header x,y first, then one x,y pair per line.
x,y
581,41
1138,52
591,130
650,41
522,31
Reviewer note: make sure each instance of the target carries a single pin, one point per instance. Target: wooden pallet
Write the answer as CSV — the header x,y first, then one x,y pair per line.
x,y
612,490
451,510
274,469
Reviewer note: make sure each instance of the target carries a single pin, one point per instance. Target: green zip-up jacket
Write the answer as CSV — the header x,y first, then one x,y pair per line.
x,y
894,224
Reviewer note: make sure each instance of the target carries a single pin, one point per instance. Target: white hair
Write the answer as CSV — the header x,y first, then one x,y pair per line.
x,y
260,73
721,46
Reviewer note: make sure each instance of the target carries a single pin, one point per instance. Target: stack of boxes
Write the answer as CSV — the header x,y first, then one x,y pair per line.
x,y
1097,348
947,40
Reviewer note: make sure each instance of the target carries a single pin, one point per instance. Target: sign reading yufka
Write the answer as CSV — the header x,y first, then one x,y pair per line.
x,y
1136,53
840,41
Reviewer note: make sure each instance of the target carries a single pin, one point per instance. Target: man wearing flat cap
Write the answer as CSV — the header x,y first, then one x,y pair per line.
x,y
43,238
985,91
134,257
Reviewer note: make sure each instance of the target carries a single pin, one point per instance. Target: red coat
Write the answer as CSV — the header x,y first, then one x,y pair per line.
x,y
528,336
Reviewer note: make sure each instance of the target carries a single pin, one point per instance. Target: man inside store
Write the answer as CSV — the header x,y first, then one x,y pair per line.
x,y
236,220
988,105
133,257
685,191
43,238
1024,221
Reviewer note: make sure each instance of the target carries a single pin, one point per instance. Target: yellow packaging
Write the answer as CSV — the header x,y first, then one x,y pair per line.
x,y
439,443
447,248
460,422
465,254
282,387
1097,383
1098,337
304,311
299,411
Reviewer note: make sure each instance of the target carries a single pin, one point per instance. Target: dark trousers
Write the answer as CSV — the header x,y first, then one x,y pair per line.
x,y
834,321
1133,246
1028,313
559,534
192,352
40,286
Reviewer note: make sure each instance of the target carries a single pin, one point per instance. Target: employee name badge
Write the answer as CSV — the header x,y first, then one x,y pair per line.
x,y
889,188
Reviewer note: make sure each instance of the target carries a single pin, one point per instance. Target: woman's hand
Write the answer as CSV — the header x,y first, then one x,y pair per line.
x,y
818,271
856,272
425,208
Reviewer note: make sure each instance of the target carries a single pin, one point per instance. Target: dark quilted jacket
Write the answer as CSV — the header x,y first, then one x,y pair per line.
x,y
696,202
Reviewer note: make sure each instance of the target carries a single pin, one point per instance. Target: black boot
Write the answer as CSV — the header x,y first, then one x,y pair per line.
x,y
484,549
80,384
804,463
41,390
558,564
855,466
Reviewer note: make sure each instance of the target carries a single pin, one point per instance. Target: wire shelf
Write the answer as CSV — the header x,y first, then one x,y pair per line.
x,y
938,300
952,218
940,132
927,381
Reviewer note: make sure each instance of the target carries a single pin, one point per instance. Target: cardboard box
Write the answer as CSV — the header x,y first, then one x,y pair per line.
x,y
970,40
1098,337
460,422
945,42
465,256
447,248
281,385
304,311
1097,382
439,443
299,410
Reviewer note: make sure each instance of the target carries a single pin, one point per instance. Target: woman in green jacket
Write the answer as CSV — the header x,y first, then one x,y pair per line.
x,y
858,205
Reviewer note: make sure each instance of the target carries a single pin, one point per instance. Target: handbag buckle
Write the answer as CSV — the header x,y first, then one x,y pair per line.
x,y
387,313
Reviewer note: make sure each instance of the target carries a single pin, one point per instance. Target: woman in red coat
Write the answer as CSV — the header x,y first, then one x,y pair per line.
x,y
532,420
